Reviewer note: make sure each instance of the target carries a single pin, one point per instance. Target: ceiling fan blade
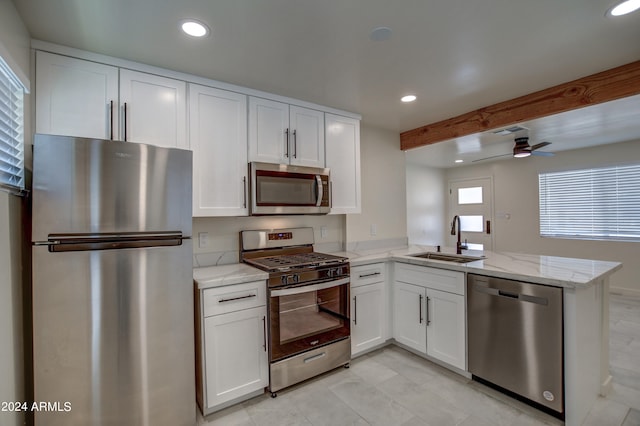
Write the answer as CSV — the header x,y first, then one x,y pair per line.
x,y
540,145
488,158
542,153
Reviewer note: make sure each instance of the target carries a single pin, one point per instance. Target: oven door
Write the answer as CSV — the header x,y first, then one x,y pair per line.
x,y
283,189
305,317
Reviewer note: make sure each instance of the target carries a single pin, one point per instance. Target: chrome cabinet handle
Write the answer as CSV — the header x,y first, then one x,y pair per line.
x,y
264,333
295,144
355,310
244,193
111,120
125,122
420,308
237,298
286,144
428,320
373,274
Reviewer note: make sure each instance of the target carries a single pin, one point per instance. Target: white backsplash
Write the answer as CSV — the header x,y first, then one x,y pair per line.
x,y
223,234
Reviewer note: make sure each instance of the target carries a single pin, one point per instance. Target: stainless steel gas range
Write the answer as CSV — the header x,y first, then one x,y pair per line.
x,y
308,304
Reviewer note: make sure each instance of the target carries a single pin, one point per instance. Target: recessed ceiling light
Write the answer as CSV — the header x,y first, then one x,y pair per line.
x,y
194,28
380,34
408,98
624,7
459,161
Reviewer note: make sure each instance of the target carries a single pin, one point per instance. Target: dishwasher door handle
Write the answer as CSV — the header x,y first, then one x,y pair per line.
x,y
517,296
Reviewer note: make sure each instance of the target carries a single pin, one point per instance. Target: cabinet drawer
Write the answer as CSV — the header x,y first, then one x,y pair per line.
x,y
221,300
367,274
439,279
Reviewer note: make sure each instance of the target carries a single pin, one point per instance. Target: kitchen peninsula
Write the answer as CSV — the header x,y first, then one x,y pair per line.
x,y
585,285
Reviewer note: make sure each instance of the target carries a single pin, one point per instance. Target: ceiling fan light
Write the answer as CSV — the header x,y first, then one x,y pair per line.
x,y
624,8
521,154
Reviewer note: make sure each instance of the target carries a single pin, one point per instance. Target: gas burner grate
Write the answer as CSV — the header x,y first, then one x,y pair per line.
x,y
283,262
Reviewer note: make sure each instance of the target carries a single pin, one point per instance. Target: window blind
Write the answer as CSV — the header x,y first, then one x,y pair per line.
x,y
11,129
601,203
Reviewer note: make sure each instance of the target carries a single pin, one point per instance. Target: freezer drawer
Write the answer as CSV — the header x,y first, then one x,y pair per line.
x,y
114,336
515,337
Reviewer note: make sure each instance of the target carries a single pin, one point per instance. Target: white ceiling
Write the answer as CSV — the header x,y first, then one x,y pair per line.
x,y
455,55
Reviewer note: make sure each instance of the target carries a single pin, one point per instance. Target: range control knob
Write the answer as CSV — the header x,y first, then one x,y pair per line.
x,y
295,278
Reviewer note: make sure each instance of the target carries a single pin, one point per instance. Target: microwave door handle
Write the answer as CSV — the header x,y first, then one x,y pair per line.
x,y
320,191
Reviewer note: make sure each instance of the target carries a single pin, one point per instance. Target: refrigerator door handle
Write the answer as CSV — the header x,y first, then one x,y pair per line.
x,y
63,243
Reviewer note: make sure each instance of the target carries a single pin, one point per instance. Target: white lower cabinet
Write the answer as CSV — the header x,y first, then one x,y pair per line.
x,y
232,357
368,307
446,327
429,312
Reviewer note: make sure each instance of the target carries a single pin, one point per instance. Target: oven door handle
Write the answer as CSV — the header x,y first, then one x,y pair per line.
x,y
307,288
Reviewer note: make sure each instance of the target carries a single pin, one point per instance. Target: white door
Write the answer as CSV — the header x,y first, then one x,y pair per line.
x,y
153,109
218,138
306,142
76,97
236,355
342,152
409,326
446,327
472,201
368,317
268,131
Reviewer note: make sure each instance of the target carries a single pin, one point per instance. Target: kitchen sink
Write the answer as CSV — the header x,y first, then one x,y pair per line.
x,y
457,258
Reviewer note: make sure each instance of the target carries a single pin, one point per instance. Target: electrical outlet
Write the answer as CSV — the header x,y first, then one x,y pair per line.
x,y
323,232
203,239
373,230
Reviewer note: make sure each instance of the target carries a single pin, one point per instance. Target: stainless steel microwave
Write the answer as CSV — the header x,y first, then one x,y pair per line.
x,y
281,189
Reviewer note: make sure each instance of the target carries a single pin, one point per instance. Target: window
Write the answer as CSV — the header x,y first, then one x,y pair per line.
x,y
11,129
599,204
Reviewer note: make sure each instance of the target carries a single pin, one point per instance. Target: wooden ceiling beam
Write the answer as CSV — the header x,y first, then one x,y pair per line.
x,y
602,87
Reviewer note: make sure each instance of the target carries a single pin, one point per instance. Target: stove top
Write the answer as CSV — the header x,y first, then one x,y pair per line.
x,y
287,262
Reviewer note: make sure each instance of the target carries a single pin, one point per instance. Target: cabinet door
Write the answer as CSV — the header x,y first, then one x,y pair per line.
x,y
268,131
153,109
76,97
446,327
343,158
218,138
306,141
409,326
368,317
235,355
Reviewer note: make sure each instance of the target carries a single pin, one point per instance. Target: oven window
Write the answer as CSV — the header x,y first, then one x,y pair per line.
x,y
308,314
307,319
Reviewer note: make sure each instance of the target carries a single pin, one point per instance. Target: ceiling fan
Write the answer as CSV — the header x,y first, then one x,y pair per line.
x,y
522,149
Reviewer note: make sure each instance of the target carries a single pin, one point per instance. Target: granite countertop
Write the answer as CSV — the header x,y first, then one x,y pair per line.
x,y
539,269
218,276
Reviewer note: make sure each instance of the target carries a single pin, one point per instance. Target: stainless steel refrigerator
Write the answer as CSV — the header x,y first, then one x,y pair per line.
x,y
113,335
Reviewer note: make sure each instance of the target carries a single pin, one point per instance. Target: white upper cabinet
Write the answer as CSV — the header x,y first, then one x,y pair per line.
x,y
342,137
76,97
306,128
218,138
284,134
153,109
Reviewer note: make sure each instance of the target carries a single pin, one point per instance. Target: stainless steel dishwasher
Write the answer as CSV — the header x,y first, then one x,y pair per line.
x,y
515,338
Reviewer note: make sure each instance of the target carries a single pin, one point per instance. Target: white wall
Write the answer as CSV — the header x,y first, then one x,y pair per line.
x,y
15,41
426,200
383,188
516,193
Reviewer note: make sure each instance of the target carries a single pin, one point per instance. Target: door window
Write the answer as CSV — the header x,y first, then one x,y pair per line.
x,y
471,200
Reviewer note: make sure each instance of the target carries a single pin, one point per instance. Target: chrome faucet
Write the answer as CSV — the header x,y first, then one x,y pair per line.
x,y
459,245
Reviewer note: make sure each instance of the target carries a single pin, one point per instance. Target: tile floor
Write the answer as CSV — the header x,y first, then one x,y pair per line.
x,y
394,387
